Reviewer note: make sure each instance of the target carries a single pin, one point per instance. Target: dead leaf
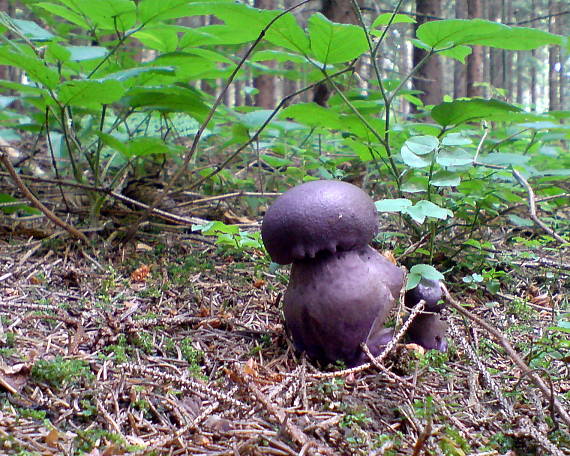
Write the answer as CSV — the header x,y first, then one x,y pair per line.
x,y
219,424
34,280
258,283
14,378
251,367
231,218
140,274
390,256
542,300
416,347
52,437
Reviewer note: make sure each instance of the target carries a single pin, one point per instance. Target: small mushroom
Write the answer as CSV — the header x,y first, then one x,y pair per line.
x,y
341,289
428,328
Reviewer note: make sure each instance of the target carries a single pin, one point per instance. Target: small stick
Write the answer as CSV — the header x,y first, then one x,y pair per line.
x,y
37,203
532,207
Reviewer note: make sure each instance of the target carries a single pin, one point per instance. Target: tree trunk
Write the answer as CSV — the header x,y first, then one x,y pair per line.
x,y
553,60
429,77
475,59
265,83
508,56
459,73
519,76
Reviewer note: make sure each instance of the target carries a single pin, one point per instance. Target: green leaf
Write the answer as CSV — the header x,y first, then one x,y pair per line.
x,y
456,139
32,31
4,198
412,281
90,94
424,208
453,157
284,32
137,71
26,60
519,221
393,205
160,38
335,43
150,11
503,159
80,53
416,149
255,119
65,13
415,184
455,32
461,111
384,19
422,271
444,178
422,145
188,66
313,115
113,142
168,99
215,228
276,162
278,56
427,272
144,146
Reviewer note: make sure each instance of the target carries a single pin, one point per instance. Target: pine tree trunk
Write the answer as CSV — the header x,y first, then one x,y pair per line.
x,y
459,70
429,77
265,83
475,63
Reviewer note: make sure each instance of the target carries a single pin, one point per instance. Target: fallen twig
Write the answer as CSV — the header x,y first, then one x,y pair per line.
x,y
308,444
37,203
543,387
532,207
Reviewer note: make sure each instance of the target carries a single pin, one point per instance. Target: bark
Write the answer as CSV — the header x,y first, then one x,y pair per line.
x,y
508,56
519,76
429,77
475,63
495,55
265,83
553,59
459,73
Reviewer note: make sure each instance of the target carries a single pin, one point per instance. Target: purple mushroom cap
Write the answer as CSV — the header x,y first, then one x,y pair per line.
x,y
428,290
340,300
318,216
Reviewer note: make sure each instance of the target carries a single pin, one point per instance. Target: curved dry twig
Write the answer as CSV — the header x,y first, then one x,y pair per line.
x,y
37,203
542,386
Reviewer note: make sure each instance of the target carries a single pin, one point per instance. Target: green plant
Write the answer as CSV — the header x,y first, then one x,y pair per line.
x,y
193,356
61,372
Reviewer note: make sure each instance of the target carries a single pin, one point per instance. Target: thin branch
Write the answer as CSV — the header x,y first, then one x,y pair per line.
x,y
36,202
532,207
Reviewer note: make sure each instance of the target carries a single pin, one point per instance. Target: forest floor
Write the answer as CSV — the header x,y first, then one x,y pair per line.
x,y
169,345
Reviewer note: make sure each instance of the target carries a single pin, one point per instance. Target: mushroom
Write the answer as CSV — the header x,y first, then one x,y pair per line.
x,y
341,290
428,328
